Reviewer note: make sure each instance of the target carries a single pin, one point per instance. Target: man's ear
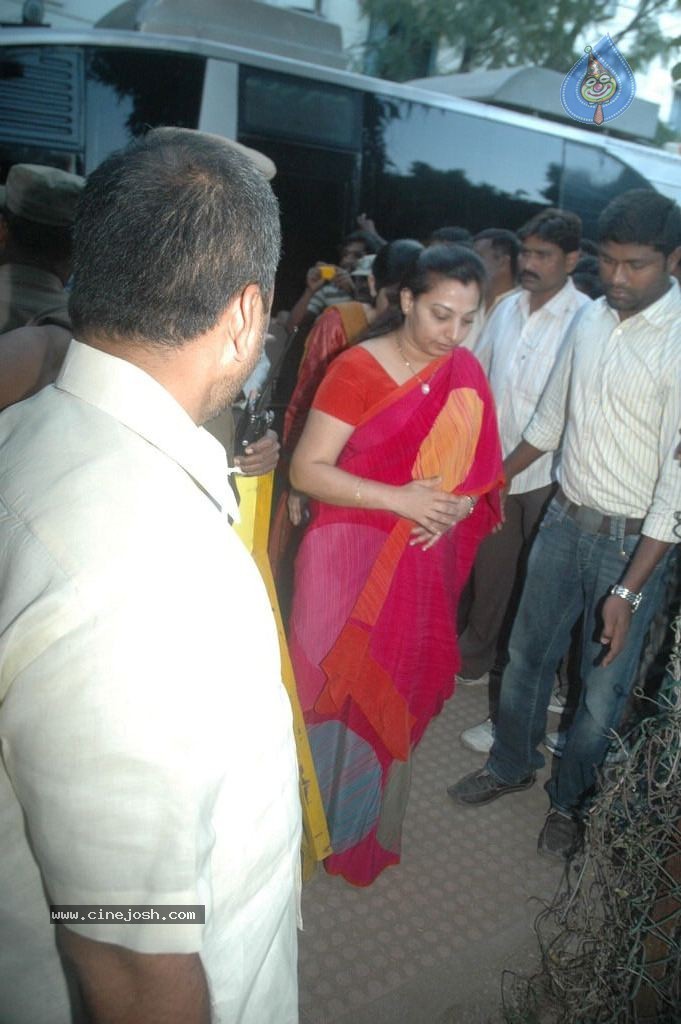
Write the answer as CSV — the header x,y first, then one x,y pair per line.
x,y
673,259
245,323
571,260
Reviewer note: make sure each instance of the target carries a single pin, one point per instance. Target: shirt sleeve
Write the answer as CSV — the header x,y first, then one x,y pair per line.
x,y
343,392
663,521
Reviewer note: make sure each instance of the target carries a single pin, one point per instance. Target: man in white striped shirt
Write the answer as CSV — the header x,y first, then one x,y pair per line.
x,y
518,348
614,401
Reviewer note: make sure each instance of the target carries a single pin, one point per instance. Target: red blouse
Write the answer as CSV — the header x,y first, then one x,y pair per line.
x,y
353,383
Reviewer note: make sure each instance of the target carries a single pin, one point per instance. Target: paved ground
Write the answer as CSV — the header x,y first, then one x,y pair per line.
x,y
428,942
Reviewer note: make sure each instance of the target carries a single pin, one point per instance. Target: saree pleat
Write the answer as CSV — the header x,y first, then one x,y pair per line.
x,y
373,637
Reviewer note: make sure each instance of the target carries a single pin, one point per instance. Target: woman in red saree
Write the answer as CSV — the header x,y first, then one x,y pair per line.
x,y
336,329
401,457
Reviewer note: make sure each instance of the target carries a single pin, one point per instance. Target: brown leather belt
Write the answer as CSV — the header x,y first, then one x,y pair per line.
x,y
595,522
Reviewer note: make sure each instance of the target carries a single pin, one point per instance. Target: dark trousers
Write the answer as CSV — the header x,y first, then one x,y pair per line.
x,y
496,582
569,573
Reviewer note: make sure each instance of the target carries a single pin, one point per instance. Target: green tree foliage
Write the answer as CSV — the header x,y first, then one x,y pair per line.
x,y
499,33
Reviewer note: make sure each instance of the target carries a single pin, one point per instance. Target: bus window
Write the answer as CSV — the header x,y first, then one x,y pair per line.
x,y
300,109
129,91
429,166
591,179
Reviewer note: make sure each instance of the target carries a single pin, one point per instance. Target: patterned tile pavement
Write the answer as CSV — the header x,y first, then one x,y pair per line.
x,y
427,943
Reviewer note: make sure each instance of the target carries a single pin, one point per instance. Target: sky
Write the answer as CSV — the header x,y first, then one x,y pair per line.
x,y
655,83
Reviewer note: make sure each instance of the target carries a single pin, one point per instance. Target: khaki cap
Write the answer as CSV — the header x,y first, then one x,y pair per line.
x,y
43,195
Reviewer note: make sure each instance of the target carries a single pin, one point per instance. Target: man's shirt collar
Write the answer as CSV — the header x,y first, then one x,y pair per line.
x,y
135,399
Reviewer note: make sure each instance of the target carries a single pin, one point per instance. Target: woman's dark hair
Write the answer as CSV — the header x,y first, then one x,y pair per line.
x,y
453,262
393,260
391,264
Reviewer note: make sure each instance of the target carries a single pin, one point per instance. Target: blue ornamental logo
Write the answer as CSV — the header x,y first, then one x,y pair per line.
x,y
600,86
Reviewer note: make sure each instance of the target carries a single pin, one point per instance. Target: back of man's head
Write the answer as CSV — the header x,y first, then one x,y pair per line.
x,y
502,241
168,232
642,217
450,236
561,227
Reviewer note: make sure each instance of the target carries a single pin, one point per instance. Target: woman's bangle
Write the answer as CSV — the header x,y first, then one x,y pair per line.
x,y
358,490
473,503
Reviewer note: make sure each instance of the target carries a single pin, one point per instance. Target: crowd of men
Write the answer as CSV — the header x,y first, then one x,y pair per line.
x,y
138,770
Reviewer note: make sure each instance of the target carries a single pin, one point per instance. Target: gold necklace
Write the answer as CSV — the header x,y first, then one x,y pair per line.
x,y
425,385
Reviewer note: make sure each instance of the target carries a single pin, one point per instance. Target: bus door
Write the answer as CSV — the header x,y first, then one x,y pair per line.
x,y
312,130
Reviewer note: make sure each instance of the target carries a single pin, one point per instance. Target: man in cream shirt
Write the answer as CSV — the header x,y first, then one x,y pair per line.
x,y
148,754
518,348
613,403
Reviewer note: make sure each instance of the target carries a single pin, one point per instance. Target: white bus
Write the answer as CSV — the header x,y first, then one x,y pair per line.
x,y
343,143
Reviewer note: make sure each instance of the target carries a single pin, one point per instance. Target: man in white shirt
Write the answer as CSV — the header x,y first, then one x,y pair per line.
x,y
614,404
148,783
518,348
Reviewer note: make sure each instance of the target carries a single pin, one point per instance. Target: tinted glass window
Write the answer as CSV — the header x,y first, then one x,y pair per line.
x,y
129,91
299,109
431,167
591,179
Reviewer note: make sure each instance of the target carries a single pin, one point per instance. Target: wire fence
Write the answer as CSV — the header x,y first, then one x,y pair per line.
x,y
610,941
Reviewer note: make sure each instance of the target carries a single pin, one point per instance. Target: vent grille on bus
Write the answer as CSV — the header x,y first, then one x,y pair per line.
x,y
41,97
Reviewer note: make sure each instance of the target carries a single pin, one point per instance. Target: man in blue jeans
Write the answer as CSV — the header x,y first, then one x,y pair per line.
x,y
613,405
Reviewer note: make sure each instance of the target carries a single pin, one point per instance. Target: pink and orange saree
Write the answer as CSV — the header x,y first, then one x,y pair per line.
x,y
372,633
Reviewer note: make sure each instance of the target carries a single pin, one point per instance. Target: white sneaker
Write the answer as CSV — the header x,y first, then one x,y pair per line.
x,y
479,737
468,681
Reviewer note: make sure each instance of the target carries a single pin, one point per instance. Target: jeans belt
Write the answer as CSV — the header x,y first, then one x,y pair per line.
x,y
595,522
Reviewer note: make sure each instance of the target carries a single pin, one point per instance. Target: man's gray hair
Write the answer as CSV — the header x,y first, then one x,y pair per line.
x,y
168,231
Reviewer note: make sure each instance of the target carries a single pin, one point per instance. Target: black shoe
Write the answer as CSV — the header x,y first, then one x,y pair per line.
x,y
481,786
561,836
